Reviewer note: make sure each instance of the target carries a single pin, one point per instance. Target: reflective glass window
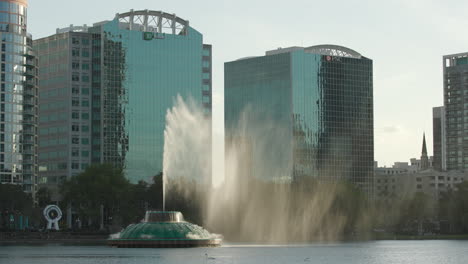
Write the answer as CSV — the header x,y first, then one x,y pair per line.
x,y
4,17
4,6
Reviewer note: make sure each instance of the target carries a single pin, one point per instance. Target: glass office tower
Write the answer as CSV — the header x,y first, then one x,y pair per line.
x,y
18,98
120,78
310,110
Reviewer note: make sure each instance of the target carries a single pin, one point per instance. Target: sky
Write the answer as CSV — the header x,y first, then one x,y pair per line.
x,y
406,40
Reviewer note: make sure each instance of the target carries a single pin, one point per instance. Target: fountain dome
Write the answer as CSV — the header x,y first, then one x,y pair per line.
x,y
165,229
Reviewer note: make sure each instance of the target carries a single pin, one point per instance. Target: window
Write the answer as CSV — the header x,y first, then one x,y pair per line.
x,y
75,78
85,78
85,116
75,140
85,128
75,65
75,115
85,66
75,152
75,90
76,52
75,40
85,53
85,141
75,102
85,41
75,165
85,90
85,153
75,128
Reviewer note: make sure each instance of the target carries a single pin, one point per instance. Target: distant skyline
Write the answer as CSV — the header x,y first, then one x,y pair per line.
x,y
406,39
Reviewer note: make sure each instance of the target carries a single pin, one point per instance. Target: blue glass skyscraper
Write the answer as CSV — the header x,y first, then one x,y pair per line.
x,y
119,78
305,112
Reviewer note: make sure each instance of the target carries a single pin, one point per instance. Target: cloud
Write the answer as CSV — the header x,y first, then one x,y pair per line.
x,y
392,129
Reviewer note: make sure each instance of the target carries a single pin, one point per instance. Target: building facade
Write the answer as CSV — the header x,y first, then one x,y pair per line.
x,y
18,98
406,185
455,70
307,112
105,91
439,138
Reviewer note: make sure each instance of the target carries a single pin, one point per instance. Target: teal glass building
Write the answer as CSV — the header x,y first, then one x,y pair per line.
x,y
119,79
18,98
303,112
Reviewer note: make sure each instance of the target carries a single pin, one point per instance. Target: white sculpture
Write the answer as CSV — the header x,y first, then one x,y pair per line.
x,y
52,214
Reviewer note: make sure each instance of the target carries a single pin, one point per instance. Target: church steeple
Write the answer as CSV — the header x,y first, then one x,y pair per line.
x,y
424,149
424,158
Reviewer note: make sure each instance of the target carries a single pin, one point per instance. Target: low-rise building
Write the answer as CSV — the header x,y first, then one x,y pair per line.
x,y
405,185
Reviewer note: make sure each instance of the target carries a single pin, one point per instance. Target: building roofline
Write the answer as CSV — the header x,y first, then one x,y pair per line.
x,y
463,54
333,50
156,21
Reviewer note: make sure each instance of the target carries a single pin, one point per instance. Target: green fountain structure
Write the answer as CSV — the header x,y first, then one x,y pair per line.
x,y
164,229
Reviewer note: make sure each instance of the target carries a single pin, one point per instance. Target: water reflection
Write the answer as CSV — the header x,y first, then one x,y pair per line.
x,y
374,252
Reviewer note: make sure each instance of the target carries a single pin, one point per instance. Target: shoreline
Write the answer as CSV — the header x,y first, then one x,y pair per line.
x,y
89,238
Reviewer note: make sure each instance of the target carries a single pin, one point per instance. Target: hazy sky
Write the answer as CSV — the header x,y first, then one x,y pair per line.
x,y
405,38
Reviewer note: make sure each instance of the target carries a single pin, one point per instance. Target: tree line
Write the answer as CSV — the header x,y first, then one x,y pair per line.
x,y
101,193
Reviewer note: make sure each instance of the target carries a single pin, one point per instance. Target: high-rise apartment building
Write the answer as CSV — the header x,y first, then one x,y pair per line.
x,y
439,138
18,98
306,112
105,91
455,68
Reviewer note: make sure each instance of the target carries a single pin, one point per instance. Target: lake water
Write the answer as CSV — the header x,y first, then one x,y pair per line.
x,y
375,252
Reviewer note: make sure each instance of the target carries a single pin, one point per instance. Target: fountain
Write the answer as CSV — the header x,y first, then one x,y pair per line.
x,y
164,229
168,228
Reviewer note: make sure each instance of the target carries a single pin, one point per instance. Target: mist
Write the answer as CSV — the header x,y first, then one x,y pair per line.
x,y
258,200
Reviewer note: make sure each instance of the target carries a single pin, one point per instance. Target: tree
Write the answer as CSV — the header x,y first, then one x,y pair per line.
x,y
13,198
43,196
416,210
13,201
454,208
99,185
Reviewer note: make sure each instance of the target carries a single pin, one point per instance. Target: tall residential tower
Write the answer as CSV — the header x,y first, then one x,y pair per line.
x,y
305,112
456,109
18,98
105,91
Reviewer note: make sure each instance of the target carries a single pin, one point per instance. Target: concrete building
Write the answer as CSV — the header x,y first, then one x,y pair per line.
x,y
439,138
405,185
105,91
18,98
455,68
308,112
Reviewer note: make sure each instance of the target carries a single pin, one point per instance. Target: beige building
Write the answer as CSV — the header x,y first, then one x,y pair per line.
x,y
405,185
